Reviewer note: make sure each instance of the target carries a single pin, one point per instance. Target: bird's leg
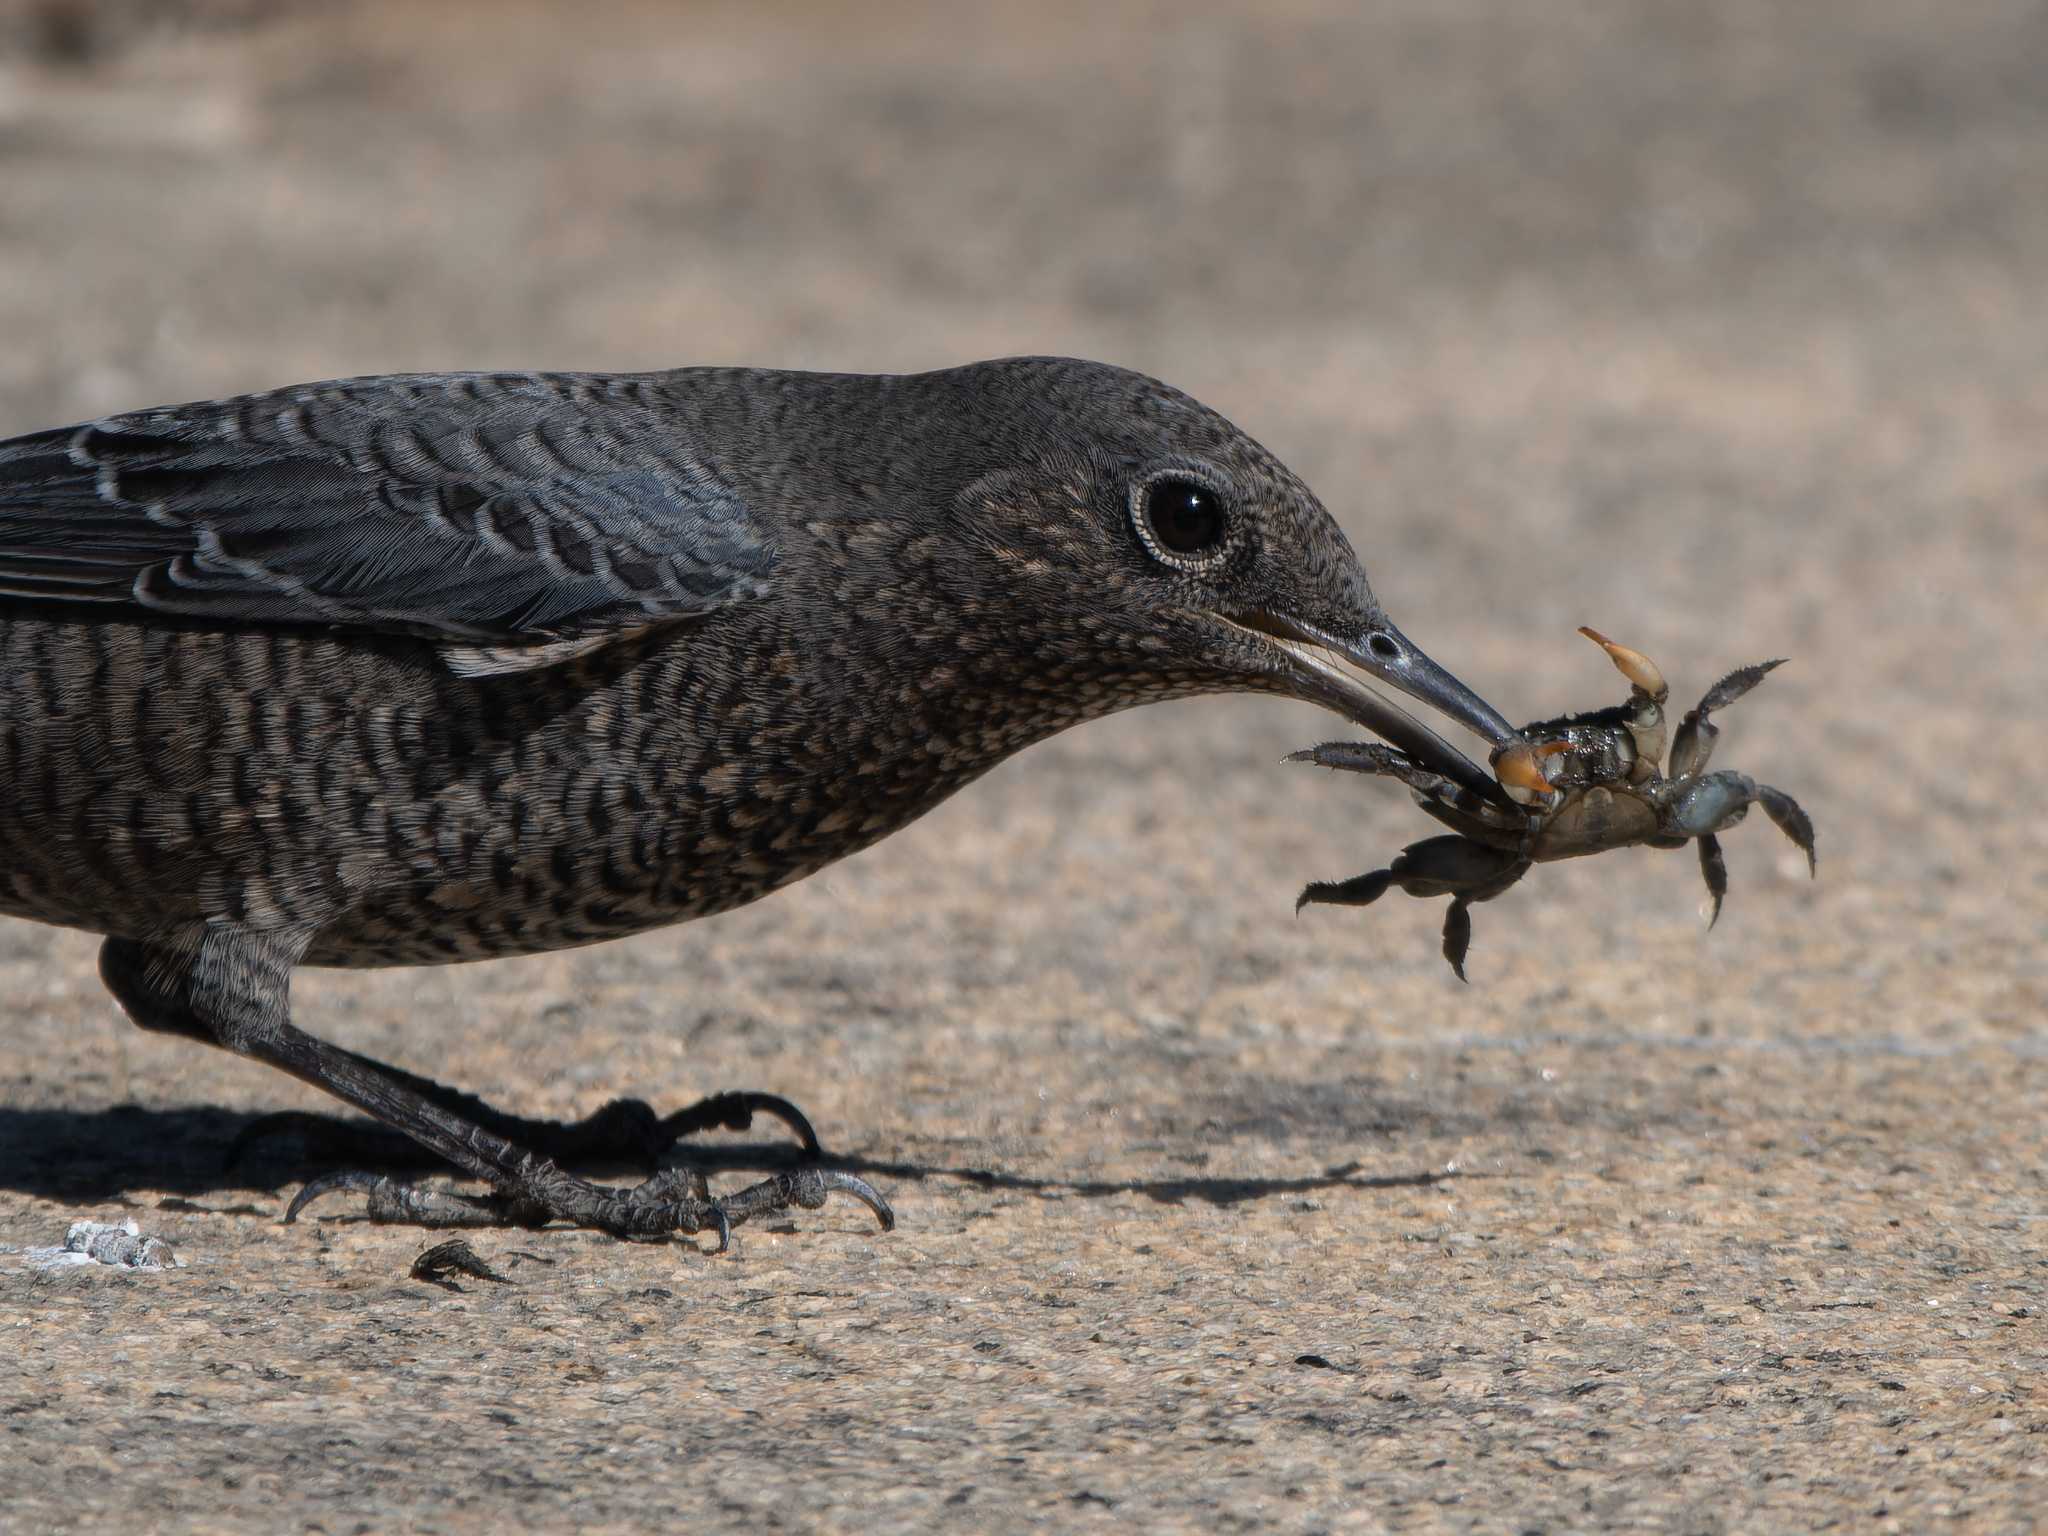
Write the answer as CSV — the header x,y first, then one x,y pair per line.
x,y
233,988
625,1131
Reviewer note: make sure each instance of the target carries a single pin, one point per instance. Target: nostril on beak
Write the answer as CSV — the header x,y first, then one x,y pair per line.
x,y
1383,646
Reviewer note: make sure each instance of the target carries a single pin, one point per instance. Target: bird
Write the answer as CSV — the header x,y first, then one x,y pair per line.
x,y
428,668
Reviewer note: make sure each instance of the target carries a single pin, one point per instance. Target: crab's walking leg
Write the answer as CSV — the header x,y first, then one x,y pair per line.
x,y
1364,890
1457,867
1715,868
1789,819
1716,801
1358,891
1369,757
1458,936
1444,798
1458,921
1735,685
1693,746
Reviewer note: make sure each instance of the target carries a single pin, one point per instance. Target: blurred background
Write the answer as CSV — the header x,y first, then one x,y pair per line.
x,y
1721,327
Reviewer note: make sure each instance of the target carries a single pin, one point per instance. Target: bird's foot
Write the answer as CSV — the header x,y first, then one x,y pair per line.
x,y
625,1131
676,1200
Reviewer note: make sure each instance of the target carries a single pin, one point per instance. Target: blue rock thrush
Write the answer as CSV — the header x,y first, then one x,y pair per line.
x,y
445,667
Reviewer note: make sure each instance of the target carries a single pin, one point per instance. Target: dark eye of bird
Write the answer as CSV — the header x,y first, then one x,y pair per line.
x,y
1186,518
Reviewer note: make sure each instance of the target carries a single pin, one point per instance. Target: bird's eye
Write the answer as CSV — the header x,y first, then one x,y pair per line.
x,y
1181,520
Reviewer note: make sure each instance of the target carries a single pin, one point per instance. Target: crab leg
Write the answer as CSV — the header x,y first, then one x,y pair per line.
x,y
1789,819
1370,757
1458,935
1364,890
1715,869
1438,866
1693,747
1716,801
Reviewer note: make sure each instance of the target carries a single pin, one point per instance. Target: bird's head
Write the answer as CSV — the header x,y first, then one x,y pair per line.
x,y
1162,551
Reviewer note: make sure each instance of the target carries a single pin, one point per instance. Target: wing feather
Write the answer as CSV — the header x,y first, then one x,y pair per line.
x,y
507,512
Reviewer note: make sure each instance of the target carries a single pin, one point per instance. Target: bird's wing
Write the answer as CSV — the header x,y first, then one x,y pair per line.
x,y
519,517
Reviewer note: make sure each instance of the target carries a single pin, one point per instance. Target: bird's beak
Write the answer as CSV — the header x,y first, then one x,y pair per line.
x,y
1322,664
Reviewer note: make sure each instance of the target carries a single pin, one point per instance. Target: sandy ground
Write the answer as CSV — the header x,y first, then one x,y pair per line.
x,y
1720,328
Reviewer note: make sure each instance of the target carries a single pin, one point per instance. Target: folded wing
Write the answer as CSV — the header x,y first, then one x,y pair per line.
x,y
515,515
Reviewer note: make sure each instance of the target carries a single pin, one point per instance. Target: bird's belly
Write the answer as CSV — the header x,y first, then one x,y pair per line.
x,y
524,893
155,781
158,780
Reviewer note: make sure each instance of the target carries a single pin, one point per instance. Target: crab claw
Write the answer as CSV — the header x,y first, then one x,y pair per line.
x,y
1641,672
1516,765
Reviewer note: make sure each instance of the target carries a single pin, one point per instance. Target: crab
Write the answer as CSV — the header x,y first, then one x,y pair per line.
x,y
1576,785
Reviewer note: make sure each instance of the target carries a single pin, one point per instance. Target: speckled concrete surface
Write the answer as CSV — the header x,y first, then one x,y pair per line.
x,y
1717,327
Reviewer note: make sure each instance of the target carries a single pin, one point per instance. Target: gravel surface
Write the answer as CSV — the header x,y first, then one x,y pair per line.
x,y
1717,327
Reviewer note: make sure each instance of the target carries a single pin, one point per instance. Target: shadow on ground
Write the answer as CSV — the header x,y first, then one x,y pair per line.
x,y
101,1156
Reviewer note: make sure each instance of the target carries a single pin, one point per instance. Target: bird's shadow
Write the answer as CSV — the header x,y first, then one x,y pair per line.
x,y
98,1157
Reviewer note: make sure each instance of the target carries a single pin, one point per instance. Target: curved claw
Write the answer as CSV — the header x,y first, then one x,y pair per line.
x,y
1641,672
326,1184
805,1188
849,1184
677,1200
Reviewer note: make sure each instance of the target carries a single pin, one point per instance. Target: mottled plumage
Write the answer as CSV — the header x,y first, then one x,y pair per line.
x,y
440,668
